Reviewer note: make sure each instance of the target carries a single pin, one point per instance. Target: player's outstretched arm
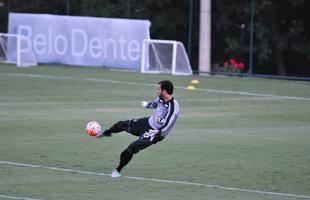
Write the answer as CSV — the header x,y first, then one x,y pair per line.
x,y
150,104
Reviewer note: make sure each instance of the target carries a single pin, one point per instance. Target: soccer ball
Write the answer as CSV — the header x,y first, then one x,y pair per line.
x,y
93,128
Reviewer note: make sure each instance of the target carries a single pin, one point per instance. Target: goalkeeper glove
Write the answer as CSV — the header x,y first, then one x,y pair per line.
x,y
144,104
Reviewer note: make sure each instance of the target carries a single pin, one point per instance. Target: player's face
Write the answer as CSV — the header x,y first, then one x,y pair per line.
x,y
159,91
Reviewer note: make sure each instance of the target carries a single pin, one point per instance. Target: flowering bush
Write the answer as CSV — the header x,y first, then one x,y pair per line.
x,y
231,66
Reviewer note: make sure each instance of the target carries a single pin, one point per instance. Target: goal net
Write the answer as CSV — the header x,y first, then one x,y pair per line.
x,y
164,56
15,49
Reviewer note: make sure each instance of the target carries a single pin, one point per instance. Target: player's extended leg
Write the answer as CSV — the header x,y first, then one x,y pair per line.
x,y
116,128
133,126
132,149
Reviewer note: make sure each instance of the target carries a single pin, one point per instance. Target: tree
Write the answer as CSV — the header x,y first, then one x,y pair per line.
x,y
280,30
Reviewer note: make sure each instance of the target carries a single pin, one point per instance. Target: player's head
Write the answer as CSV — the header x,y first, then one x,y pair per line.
x,y
165,87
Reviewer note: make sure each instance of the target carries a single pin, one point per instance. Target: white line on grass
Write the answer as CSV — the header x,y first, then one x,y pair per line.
x,y
136,102
151,85
234,99
161,180
14,197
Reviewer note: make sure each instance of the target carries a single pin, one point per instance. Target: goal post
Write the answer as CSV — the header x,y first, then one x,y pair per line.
x,y
15,49
164,56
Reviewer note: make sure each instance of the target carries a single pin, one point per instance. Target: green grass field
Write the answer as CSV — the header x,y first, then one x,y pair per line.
x,y
236,138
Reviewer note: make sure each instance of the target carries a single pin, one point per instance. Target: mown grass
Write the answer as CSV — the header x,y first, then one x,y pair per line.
x,y
226,138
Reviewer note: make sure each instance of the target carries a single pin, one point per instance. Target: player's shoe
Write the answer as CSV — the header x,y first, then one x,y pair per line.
x,y
115,174
101,134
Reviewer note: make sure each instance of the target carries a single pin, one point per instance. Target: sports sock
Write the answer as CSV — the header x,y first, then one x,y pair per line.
x,y
125,157
111,130
117,127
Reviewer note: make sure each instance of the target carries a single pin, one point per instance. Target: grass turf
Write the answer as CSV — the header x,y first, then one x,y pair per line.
x,y
223,137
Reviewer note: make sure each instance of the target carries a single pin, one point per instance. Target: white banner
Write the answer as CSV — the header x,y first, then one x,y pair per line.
x,y
86,41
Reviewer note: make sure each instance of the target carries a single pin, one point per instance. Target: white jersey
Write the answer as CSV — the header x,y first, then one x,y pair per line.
x,y
165,116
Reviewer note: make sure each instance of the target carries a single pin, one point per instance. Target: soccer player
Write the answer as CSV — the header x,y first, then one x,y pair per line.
x,y
150,130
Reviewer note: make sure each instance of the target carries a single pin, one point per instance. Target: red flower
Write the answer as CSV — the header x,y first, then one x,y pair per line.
x,y
233,62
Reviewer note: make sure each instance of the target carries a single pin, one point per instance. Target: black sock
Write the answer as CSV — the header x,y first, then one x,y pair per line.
x,y
116,128
107,132
125,157
111,130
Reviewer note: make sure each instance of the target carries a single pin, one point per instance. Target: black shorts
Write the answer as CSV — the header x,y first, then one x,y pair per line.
x,y
139,127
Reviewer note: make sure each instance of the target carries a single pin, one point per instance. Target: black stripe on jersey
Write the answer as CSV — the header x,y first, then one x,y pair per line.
x,y
171,105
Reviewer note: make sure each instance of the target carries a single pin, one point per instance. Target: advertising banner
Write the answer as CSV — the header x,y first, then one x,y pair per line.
x,y
85,41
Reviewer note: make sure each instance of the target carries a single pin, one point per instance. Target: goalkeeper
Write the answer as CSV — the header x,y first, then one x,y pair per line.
x,y
150,130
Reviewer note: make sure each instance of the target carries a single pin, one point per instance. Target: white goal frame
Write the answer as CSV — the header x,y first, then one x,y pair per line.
x,y
17,56
145,65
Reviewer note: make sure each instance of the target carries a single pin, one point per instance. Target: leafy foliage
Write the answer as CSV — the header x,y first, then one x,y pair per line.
x,y
280,30
281,37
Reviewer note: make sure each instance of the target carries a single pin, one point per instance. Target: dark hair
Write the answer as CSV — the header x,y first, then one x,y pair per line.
x,y
166,85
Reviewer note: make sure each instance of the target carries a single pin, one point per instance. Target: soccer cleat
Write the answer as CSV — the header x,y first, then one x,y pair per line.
x,y
115,174
101,134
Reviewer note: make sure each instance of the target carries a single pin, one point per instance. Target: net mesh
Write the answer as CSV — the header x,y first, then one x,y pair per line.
x,y
14,49
162,56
